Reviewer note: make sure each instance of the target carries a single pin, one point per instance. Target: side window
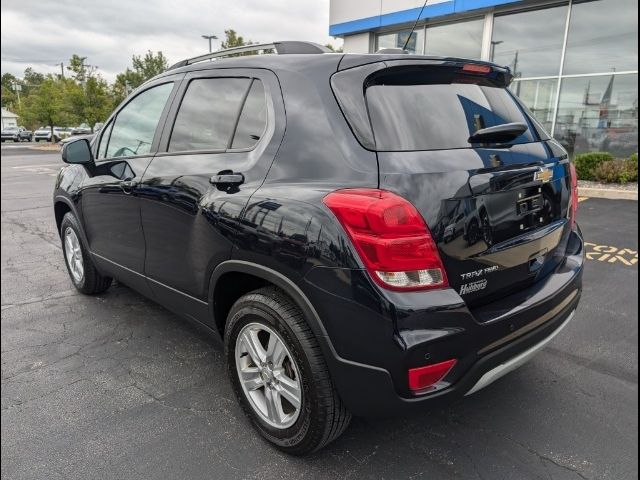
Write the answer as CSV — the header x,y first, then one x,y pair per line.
x,y
104,141
208,113
135,125
253,121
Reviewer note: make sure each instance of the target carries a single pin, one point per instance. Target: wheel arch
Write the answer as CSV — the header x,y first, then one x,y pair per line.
x,y
63,205
264,276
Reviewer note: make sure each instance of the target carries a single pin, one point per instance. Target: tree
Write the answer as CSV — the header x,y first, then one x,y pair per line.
x,y
144,68
334,49
8,95
97,103
49,103
232,39
81,71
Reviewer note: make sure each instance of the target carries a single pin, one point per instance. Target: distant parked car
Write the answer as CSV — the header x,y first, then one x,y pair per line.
x,y
83,129
44,133
17,134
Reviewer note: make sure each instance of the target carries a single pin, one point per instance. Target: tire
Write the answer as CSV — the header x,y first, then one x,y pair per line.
x,y
91,282
322,417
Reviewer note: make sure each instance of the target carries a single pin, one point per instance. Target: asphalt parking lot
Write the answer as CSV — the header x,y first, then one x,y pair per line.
x,y
115,386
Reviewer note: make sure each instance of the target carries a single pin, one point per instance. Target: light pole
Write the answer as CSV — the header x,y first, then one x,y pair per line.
x,y
494,43
210,37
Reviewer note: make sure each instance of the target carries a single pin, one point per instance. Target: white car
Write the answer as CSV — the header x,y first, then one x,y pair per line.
x,y
44,133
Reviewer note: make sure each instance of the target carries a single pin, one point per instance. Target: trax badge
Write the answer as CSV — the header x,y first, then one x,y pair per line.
x,y
543,175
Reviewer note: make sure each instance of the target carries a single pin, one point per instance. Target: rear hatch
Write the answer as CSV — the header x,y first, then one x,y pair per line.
x,y
495,199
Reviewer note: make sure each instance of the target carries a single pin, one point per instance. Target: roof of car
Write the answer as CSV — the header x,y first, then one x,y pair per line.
x,y
297,55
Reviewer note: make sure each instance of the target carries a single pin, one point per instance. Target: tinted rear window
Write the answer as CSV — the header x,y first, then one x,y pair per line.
x,y
208,114
438,116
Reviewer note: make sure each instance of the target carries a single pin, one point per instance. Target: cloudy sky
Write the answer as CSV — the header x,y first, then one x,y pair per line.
x,y
43,33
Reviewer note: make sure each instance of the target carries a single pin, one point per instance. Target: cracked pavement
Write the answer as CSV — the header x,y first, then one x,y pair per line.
x,y
114,386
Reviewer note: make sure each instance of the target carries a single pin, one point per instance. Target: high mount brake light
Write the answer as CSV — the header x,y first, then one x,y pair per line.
x,y
473,68
574,194
391,238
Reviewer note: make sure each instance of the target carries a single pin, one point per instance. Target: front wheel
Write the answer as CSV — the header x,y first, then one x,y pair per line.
x,y
81,269
279,374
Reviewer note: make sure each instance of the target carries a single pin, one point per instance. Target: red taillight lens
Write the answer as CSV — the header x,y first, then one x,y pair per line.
x,y
574,194
391,238
424,377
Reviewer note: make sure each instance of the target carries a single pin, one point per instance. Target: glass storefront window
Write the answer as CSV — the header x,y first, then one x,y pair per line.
x,y
539,96
599,113
603,37
463,39
398,39
530,42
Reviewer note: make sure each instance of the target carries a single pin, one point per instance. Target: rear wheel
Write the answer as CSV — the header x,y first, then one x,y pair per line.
x,y
279,374
81,269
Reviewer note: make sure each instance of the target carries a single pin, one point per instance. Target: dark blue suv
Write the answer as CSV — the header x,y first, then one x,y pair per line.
x,y
367,234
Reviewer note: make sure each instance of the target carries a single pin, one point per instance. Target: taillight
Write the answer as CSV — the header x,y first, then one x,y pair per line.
x,y
574,194
391,238
422,378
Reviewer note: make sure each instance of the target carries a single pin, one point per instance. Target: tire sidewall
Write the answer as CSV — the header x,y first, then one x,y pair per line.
x,y
252,311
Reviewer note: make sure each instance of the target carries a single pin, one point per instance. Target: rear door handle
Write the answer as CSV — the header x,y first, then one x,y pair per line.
x,y
227,179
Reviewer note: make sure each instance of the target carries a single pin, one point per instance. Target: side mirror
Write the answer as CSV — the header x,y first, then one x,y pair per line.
x,y
77,152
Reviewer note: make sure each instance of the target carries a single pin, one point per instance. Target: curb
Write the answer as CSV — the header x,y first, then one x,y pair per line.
x,y
610,194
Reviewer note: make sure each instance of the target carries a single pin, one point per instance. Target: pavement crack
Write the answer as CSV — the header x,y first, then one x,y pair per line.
x,y
31,301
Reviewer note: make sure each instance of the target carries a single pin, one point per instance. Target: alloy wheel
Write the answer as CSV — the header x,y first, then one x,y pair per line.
x,y
73,254
269,375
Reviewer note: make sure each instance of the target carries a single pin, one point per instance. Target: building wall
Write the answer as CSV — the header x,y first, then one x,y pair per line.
x,y
352,16
9,119
358,43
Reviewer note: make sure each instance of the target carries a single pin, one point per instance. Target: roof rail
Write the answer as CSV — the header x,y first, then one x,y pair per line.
x,y
281,48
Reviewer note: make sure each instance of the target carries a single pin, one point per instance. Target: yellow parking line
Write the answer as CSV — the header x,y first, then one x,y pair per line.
x,y
582,199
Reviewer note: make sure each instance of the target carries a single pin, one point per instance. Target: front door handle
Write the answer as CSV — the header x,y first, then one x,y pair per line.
x,y
227,178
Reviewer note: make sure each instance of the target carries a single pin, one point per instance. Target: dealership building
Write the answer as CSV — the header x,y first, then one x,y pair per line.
x,y
575,63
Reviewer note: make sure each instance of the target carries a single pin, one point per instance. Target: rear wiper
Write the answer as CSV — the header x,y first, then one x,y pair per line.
x,y
499,133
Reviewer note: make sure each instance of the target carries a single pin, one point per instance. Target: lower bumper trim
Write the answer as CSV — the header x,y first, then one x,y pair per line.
x,y
517,361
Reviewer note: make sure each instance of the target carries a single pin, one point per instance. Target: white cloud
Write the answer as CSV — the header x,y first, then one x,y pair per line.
x,y
41,33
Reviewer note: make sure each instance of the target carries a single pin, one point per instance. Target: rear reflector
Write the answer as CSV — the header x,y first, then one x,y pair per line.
x,y
574,193
424,377
473,68
390,237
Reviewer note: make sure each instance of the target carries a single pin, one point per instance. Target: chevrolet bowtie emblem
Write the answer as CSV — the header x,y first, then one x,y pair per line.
x,y
543,175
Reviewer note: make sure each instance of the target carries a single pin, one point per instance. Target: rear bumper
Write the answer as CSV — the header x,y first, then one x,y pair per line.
x,y
521,326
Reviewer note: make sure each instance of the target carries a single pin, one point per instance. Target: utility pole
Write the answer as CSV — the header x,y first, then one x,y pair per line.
x,y
210,37
17,88
61,69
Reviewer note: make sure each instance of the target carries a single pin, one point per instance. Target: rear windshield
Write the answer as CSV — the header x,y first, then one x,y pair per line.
x,y
420,113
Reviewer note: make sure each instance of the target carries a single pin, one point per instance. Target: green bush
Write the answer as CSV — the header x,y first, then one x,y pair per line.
x,y
632,167
587,163
633,163
617,171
